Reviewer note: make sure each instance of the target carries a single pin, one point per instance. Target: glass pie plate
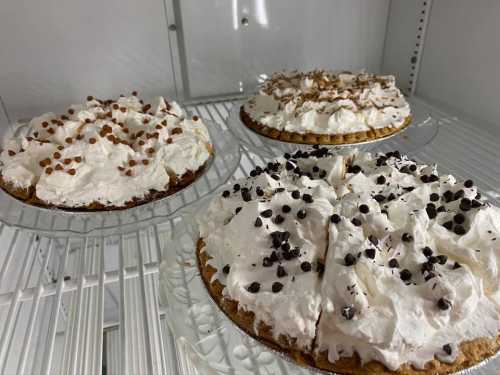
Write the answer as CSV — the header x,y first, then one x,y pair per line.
x,y
422,130
212,341
220,167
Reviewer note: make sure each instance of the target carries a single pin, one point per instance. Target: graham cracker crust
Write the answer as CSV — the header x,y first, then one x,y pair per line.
x,y
28,195
472,352
320,139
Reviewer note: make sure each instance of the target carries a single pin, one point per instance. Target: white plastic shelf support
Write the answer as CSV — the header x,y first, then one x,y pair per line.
x,y
89,305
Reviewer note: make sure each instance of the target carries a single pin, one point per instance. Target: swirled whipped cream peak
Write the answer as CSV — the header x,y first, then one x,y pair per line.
x,y
323,102
355,253
105,153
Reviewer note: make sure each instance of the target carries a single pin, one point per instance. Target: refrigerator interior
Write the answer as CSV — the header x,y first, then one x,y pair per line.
x,y
72,304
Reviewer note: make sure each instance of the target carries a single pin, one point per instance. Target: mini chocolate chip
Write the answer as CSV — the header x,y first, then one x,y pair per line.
x,y
277,286
442,259
407,237
370,253
413,168
335,219
258,222
379,198
322,174
286,208
364,209
278,219
427,266
280,272
429,276
393,263
236,187
348,312
72,171
468,184
373,239
459,229
254,287
350,260
381,180
405,275
246,196
478,196
427,251
476,204
238,209
448,225
275,177
391,197
459,218
307,198
434,197
354,169
315,169
285,246
267,262
458,194
295,194
433,178
305,266
301,214
443,304
465,204
433,259
267,213
259,191
226,193
289,166
356,222
441,209
457,265
431,212
448,196
447,347
424,178
226,269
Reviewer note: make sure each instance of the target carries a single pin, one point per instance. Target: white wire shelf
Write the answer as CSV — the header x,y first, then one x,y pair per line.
x,y
89,305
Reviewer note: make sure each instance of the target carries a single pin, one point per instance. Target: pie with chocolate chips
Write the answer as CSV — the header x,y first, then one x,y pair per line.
x,y
357,263
105,155
321,107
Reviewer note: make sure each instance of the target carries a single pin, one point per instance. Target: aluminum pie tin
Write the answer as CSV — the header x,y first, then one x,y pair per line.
x,y
468,371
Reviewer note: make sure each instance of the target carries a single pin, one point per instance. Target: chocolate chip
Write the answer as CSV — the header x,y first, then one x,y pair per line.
x,y
459,218
72,171
277,286
305,266
448,225
427,267
442,259
370,253
286,208
447,347
348,312
405,275
459,229
391,197
393,263
379,198
427,251
429,276
433,178
354,169
356,222
424,178
434,197
413,168
259,191
301,214
280,272
246,196
275,177
278,219
238,209
289,166
465,204
407,237
226,269
373,239
364,209
295,194
267,213
315,169
441,209
443,304
285,246
381,180
254,287
476,204
307,198
350,260
258,222
236,187
335,219
322,174
468,184
267,262
459,194
457,265
226,193
448,196
431,211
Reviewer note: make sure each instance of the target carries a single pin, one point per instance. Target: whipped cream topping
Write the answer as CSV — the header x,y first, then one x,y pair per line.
x,y
109,152
372,254
322,102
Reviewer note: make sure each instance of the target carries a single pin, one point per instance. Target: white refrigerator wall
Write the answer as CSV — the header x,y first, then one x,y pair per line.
x,y
460,62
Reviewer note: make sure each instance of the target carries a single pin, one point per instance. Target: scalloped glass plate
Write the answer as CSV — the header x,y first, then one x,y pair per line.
x,y
419,133
55,222
213,342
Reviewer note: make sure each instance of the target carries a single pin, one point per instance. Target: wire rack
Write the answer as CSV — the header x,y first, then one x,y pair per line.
x,y
89,305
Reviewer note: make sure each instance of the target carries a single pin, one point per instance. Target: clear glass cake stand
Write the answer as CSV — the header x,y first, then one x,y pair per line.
x,y
213,342
55,222
421,132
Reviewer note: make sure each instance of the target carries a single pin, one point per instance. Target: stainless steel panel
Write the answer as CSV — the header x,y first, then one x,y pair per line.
x,y
229,45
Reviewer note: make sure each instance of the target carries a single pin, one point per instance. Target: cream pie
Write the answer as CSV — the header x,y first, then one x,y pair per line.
x,y
105,154
321,107
357,263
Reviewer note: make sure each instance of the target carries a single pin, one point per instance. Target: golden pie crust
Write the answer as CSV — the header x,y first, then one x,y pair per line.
x,y
472,352
320,139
